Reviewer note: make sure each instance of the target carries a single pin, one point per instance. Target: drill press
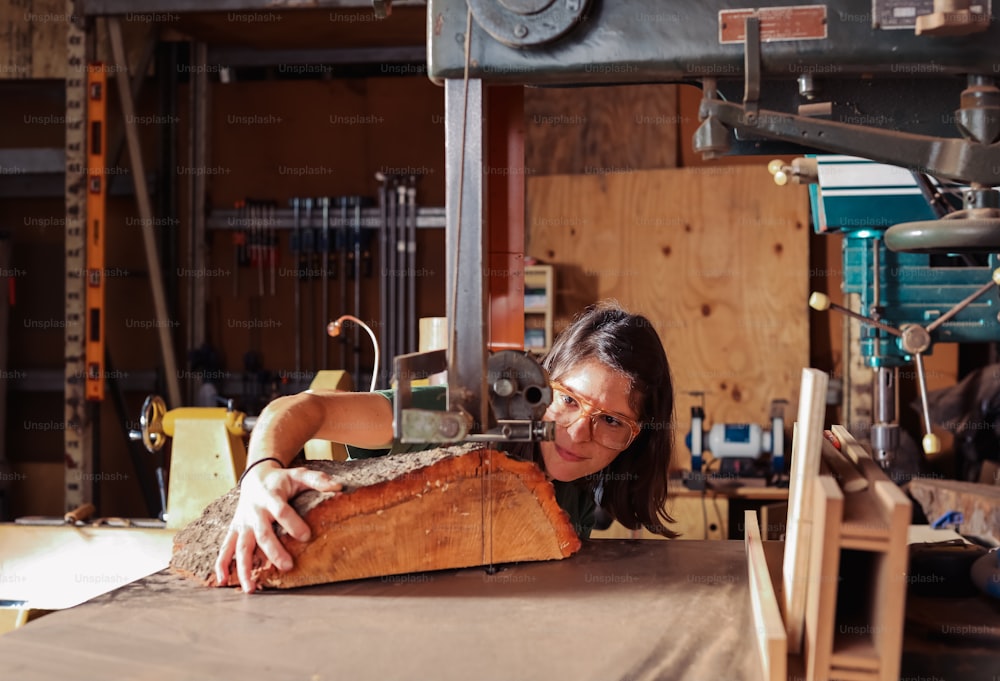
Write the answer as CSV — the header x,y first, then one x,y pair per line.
x,y
907,300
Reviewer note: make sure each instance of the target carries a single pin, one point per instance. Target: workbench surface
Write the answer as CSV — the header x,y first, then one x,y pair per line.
x,y
618,609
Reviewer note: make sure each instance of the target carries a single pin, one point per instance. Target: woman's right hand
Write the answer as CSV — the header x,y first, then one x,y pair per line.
x,y
264,495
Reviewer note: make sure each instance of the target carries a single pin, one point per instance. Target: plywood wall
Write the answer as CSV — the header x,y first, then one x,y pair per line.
x,y
715,257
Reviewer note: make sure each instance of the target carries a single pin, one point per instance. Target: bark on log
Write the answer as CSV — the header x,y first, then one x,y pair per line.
x,y
979,504
443,508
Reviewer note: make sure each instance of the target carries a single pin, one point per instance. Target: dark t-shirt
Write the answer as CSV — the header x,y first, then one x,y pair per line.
x,y
576,498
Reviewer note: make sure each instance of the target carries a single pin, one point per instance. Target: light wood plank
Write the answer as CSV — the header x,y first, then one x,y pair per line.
x,y
855,653
58,567
864,518
853,675
821,583
806,442
847,476
888,610
769,629
848,445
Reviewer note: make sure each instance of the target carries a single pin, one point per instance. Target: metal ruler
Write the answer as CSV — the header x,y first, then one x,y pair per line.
x,y
77,434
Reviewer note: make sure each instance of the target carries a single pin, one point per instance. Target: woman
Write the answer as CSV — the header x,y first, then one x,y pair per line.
x,y
612,405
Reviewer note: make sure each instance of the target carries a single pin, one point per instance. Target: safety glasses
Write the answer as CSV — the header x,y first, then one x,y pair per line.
x,y
607,428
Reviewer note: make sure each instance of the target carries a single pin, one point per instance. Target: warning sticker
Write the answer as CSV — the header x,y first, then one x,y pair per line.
x,y
800,22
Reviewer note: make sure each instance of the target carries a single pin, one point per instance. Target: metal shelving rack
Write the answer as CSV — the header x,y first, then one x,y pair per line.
x,y
79,419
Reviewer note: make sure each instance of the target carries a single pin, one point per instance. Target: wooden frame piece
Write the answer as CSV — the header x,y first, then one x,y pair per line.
x,y
855,583
806,445
824,570
772,641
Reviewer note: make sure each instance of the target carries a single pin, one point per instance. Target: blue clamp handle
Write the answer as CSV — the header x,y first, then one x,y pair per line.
x,y
949,518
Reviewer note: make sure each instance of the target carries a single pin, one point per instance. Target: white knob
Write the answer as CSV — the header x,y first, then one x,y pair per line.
x,y
819,301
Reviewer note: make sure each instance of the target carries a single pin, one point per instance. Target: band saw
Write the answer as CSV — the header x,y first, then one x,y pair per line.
x,y
905,84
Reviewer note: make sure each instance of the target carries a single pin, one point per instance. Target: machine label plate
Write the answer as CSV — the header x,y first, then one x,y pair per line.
x,y
798,22
902,14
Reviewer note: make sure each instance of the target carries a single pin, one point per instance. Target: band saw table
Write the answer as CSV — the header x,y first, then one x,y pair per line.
x,y
618,609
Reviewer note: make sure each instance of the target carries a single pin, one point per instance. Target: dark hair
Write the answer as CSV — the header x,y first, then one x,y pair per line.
x,y
635,483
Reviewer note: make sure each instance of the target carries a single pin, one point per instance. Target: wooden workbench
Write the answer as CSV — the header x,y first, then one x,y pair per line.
x,y
616,610
632,610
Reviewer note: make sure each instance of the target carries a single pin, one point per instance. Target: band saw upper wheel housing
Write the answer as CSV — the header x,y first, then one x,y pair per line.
x,y
527,23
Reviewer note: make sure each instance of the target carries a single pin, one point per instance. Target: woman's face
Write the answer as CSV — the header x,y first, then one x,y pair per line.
x,y
573,453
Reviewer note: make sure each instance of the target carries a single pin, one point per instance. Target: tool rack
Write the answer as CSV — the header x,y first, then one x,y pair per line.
x,y
81,395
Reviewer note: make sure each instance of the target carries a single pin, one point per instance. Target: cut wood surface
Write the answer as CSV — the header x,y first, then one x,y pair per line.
x,y
443,508
979,504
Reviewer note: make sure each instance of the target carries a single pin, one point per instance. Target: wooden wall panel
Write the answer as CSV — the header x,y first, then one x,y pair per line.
x,y
33,38
591,130
17,35
716,258
33,32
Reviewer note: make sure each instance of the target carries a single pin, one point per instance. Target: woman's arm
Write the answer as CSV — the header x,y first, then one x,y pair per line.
x,y
287,423
283,428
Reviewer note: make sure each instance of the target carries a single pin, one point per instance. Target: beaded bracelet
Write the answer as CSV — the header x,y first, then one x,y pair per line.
x,y
249,468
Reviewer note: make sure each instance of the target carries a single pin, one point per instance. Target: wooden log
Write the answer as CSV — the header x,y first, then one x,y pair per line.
x,y
443,508
979,504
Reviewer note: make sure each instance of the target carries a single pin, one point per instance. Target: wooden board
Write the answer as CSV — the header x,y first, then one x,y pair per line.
x,y
51,568
824,562
438,509
796,575
843,468
888,610
979,504
769,629
715,257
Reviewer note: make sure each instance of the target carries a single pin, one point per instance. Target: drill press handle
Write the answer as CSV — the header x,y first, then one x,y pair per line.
x,y
915,340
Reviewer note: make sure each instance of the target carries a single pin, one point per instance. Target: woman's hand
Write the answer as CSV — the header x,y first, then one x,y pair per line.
x,y
264,496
